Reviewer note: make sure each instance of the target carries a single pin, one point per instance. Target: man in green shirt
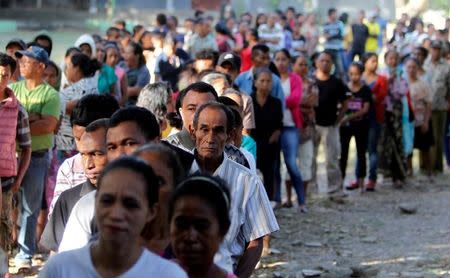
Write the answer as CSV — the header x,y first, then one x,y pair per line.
x,y
42,104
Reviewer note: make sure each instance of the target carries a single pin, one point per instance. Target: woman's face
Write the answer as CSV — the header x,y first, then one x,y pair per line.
x,y
130,58
147,42
282,62
301,66
371,64
263,82
73,73
194,232
392,60
411,68
112,56
354,74
121,206
51,76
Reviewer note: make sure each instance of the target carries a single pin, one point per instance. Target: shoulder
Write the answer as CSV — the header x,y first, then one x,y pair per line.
x,y
66,262
17,85
154,263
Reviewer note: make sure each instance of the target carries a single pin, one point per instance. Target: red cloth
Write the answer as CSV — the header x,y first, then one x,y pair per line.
x,y
380,90
246,59
293,100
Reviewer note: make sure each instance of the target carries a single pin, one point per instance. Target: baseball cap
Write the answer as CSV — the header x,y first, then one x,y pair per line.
x,y
230,57
18,42
436,44
34,52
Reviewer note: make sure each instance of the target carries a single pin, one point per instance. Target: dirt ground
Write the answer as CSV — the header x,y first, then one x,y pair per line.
x,y
366,235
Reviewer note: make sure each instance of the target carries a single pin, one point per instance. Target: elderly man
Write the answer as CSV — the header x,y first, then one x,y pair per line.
x,y
252,216
42,104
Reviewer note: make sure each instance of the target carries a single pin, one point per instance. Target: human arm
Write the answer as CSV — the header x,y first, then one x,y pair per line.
x,y
23,138
24,162
47,119
249,259
360,113
45,125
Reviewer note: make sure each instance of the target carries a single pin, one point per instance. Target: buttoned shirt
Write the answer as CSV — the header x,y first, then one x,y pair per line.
x,y
440,83
250,212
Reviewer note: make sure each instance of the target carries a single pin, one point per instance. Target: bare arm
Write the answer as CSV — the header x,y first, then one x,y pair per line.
x,y
342,111
358,114
249,259
24,162
44,125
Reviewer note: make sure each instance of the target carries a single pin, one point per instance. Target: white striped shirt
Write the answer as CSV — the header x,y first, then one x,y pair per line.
x,y
251,214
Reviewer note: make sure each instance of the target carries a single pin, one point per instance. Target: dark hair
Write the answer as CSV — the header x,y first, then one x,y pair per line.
x,y
391,51
326,52
55,66
331,11
234,108
174,120
120,22
344,18
228,102
144,119
111,30
87,66
366,56
200,87
357,65
71,50
47,38
137,50
97,124
137,28
285,52
169,156
207,54
93,107
6,60
259,71
161,19
215,105
259,48
212,190
140,168
413,60
423,51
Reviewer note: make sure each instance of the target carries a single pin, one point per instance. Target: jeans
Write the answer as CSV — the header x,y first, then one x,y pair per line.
x,y
329,136
290,139
361,133
31,192
372,148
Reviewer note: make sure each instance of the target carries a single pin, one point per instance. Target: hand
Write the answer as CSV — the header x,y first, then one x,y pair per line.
x,y
32,117
16,186
274,137
343,121
424,127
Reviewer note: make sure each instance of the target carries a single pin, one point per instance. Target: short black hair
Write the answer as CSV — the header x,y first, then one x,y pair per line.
x,y
207,54
55,66
285,52
120,22
97,124
140,168
47,38
200,87
331,11
137,28
93,107
161,19
215,105
212,190
359,65
260,48
71,50
423,51
143,118
111,30
6,60
87,66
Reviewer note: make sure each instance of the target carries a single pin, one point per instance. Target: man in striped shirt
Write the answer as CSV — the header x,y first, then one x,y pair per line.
x,y
251,214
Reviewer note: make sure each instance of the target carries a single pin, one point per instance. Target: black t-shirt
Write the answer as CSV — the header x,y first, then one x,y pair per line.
x,y
268,118
360,34
331,93
356,102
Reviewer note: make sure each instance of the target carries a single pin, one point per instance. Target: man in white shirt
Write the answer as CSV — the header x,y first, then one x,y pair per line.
x,y
251,214
272,34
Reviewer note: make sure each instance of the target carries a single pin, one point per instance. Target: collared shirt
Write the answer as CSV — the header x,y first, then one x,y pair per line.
x,y
440,83
70,174
269,33
245,83
53,232
250,213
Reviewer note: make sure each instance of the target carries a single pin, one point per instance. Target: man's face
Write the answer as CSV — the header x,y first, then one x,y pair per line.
x,y
123,139
92,148
5,75
324,63
333,16
29,66
435,53
211,133
191,102
261,59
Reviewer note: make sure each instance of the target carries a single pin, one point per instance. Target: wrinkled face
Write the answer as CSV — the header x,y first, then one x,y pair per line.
x,y
123,139
211,133
354,74
300,66
324,63
77,132
194,232
92,148
411,68
371,64
51,76
112,56
263,82
281,62
261,59
29,66
191,102
5,75
121,206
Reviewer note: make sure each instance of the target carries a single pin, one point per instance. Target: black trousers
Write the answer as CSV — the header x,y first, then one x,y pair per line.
x,y
361,134
266,155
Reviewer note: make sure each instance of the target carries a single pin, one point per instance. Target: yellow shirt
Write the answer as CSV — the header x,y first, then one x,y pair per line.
x,y
371,42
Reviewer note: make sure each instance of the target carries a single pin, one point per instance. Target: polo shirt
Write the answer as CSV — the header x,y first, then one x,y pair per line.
x,y
43,100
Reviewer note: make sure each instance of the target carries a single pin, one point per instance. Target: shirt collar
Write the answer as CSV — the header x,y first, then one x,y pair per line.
x,y
86,188
218,172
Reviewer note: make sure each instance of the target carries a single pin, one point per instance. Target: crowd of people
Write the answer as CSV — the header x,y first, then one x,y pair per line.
x,y
164,153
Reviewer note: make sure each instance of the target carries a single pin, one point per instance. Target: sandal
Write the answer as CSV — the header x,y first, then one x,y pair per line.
x,y
354,185
370,186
